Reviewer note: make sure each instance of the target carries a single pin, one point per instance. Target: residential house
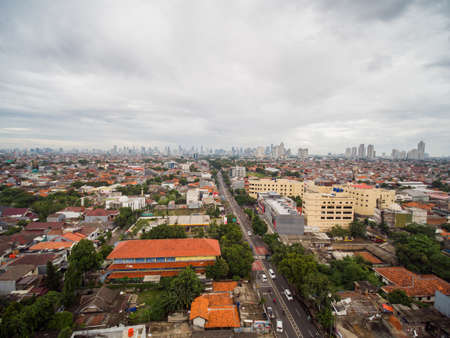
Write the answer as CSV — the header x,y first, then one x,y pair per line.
x,y
214,311
10,279
100,215
419,287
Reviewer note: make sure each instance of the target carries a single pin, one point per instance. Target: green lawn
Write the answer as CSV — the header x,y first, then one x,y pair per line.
x,y
148,296
152,310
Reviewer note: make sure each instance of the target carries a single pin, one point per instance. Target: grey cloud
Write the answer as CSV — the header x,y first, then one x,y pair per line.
x,y
104,72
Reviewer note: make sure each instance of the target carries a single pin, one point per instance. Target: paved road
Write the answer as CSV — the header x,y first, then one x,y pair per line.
x,y
295,320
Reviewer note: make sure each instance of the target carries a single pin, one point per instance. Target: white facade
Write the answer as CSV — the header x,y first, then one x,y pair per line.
x,y
238,172
192,196
133,202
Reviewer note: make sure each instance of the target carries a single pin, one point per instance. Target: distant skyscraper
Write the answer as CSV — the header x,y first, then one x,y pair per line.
x,y
413,154
421,150
354,152
370,152
362,151
302,153
348,152
259,152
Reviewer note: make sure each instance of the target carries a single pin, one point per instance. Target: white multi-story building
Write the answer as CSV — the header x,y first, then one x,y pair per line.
x,y
133,202
302,153
237,172
193,198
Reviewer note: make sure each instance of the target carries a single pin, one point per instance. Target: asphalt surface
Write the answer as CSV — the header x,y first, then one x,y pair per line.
x,y
294,317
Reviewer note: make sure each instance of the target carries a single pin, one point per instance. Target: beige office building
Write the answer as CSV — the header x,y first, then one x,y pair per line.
x,y
367,198
283,187
325,210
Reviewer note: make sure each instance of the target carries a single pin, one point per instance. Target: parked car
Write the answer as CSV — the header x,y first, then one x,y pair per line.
x,y
249,233
288,294
279,326
264,277
272,274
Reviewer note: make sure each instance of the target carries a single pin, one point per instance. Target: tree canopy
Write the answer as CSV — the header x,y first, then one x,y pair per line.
x,y
165,231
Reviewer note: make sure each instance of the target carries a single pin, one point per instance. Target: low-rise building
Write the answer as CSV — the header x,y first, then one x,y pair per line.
x,y
190,222
163,257
282,187
323,211
419,287
281,213
367,198
214,311
237,172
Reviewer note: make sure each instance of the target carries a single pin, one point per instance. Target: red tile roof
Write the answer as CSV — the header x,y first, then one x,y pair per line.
x,y
167,265
413,284
369,257
180,247
217,309
44,225
224,286
7,212
51,246
74,237
101,212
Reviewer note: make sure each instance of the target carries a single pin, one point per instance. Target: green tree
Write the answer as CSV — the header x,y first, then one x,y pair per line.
x,y
72,281
239,258
358,229
259,226
184,288
399,297
105,250
84,256
219,270
52,278
198,233
61,320
338,231
165,231
65,333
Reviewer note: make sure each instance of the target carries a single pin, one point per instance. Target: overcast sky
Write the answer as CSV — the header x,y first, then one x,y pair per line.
x,y
322,74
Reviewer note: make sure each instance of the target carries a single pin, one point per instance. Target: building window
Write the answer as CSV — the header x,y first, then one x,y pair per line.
x,y
150,260
160,259
140,260
170,259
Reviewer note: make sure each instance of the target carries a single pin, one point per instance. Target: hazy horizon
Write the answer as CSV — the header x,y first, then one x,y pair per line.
x,y
322,74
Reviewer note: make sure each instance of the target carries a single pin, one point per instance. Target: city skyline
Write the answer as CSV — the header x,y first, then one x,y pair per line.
x,y
246,73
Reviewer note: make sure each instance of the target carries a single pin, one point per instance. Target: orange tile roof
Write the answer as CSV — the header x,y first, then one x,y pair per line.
x,y
199,308
74,236
217,309
226,316
369,257
138,274
180,247
413,284
426,206
141,266
51,246
224,286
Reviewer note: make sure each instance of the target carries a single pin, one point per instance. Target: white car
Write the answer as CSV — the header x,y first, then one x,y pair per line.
x,y
272,274
264,277
288,294
279,326
249,233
